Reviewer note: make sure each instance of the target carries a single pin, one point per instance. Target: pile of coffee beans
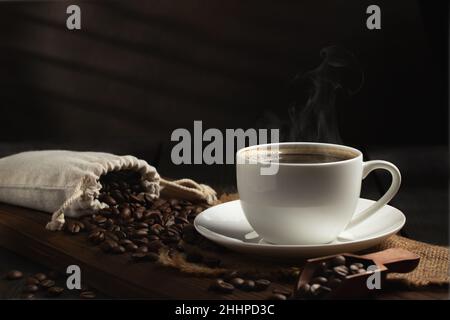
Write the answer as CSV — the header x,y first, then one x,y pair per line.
x,y
328,276
138,225
233,280
42,284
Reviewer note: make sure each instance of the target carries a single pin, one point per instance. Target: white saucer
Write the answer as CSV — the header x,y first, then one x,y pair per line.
x,y
226,225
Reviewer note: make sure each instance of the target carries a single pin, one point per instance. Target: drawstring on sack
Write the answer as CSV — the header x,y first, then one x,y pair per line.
x,y
187,188
57,221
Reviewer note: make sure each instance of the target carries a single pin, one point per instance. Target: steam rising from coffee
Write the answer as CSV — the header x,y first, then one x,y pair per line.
x,y
312,114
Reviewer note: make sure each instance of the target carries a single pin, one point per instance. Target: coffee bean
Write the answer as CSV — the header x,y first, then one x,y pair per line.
x,y
231,275
142,249
14,275
125,213
182,220
96,236
74,227
138,214
125,242
108,245
220,285
120,234
110,201
141,241
30,288
105,212
131,247
140,233
40,276
153,214
314,289
341,270
319,280
156,229
111,236
136,198
118,196
237,282
198,210
55,291
337,261
47,283
98,219
285,292
87,295
261,284
153,238
248,285
27,296
277,296
361,271
318,290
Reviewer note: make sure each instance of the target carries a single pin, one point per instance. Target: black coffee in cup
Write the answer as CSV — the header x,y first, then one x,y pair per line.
x,y
308,158
301,155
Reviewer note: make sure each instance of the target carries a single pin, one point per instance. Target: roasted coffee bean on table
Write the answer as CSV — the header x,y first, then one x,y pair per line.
x,y
27,296
55,291
47,283
248,285
277,296
285,292
261,284
221,286
40,276
14,275
30,288
87,295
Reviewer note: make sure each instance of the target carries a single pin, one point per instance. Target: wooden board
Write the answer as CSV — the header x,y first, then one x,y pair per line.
x,y
22,231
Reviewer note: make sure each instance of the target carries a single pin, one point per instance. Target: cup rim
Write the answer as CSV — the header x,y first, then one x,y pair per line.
x,y
331,163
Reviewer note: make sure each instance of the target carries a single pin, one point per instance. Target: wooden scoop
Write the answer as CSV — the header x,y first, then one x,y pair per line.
x,y
351,285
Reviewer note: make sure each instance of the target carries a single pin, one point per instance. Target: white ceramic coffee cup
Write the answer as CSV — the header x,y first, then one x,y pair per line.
x,y
306,203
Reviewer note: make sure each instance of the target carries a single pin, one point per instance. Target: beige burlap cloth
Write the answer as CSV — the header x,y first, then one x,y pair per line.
x,y
433,268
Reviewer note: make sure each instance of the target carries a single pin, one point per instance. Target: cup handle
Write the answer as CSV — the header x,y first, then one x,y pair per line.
x,y
368,167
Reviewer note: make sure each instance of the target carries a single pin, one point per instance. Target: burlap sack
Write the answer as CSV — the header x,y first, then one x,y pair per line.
x,y
66,183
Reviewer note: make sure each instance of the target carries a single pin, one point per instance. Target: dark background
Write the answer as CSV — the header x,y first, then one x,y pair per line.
x,y
140,69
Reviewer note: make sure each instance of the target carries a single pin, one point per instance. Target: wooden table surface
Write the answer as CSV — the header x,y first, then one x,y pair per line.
x,y
27,246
